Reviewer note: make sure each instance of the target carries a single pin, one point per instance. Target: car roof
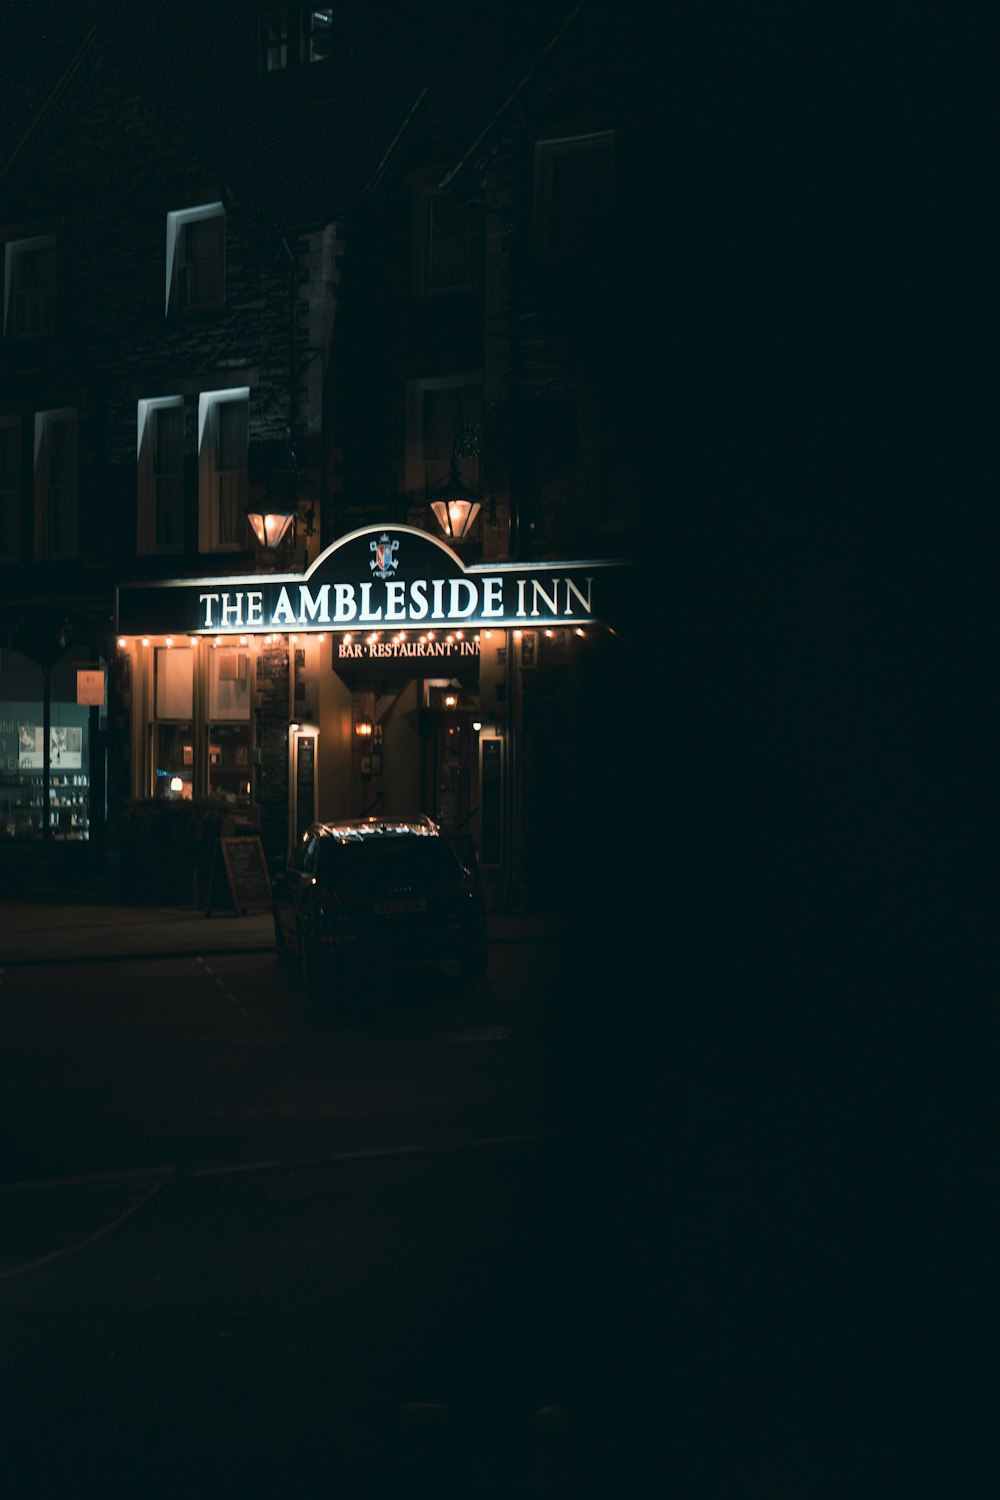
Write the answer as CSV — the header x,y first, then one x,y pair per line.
x,y
357,830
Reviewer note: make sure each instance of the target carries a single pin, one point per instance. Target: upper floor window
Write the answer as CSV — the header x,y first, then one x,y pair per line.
x,y
10,489
318,34
437,408
448,240
56,471
196,258
160,475
574,188
223,455
30,287
274,39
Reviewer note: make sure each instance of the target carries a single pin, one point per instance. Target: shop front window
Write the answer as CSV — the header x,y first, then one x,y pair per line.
x,y
51,785
173,728
22,747
229,762
212,754
229,728
173,762
71,774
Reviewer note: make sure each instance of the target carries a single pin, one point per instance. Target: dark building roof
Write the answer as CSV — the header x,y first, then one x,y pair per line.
x,y
422,82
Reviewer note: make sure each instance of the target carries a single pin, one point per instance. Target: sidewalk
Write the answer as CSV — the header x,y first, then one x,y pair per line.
x,y
61,931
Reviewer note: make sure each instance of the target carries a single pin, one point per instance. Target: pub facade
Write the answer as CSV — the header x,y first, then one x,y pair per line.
x,y
388,678
204,325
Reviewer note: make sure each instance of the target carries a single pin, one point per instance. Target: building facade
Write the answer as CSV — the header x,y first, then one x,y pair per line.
x,y
197,322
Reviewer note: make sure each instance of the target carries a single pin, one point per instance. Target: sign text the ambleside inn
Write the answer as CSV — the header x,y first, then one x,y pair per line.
x,y
421,601
380,578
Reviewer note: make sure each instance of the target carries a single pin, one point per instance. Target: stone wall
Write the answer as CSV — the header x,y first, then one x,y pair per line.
x,y
272,715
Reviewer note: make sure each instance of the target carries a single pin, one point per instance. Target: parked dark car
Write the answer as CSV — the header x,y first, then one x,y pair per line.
x,y
364,895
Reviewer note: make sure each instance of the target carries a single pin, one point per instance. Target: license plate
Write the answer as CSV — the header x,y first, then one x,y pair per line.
x,y
398,908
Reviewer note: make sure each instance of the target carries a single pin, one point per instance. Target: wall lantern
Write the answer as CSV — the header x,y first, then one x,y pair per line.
x,y
278,512
455,504
270,523
363,728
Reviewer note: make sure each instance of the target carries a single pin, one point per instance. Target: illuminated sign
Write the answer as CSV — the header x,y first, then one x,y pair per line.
x,y
90,686
394,577
423,650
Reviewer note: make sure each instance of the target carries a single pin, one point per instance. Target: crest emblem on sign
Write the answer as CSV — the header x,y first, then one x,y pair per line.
x,y
384,564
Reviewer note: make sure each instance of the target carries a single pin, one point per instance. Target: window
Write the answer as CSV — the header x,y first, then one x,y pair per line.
x,y
160,475
229,762
437,409
56,461
274,40
172,739
449,243
229,700
223,444
30,287
318,38
22,746
10,489
574,189
196,259
229,684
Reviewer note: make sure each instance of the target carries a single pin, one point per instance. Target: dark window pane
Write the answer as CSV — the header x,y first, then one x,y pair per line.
x,y
10,489
275,34
320,34
451,244
34,289
201,258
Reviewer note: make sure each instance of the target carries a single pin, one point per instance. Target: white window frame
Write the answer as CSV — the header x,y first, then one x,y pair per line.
x,y
147,513
418,483
16,250
46,547
547,152
10,499
308,13
210,474
177,222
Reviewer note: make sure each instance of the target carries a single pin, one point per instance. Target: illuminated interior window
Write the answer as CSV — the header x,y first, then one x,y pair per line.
x,y
229,762
229,684
173,762
172,734
174,682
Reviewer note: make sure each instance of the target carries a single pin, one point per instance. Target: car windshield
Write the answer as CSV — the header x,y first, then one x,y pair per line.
x,y
370,862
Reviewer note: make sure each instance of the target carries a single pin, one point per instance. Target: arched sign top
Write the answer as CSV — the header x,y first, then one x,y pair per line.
x,y
379,577
399,551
